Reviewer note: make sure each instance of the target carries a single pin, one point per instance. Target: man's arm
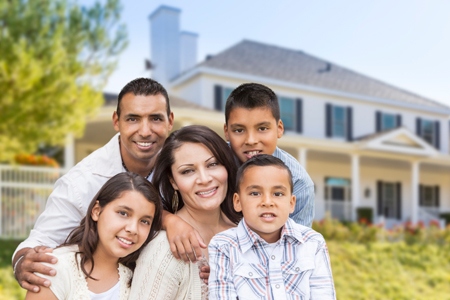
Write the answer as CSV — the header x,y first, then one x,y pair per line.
x,y
185,242
220,283
62,214
27,261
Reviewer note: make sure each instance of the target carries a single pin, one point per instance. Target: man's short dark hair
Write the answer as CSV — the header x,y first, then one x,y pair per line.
x,y
252,95
262,160
143,87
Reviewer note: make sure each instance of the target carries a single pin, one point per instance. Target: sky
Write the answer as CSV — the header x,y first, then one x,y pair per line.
x,y
405,43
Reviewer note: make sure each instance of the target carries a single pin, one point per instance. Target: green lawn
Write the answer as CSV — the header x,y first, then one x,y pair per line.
x,y
361,270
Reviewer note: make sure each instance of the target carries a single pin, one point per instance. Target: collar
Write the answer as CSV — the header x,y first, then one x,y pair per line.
x,y
247,238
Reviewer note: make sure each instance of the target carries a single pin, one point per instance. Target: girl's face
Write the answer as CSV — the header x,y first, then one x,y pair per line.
x,y
200,178
123,225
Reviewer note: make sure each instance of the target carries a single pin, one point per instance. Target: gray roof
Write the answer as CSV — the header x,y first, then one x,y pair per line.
x,y
294,66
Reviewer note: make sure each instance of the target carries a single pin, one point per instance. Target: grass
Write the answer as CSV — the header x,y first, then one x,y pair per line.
x,y
366,270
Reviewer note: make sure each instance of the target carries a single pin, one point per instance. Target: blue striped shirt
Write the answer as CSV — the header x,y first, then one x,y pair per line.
x,y
303,189
244,266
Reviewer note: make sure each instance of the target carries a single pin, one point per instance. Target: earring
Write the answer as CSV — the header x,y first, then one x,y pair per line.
x,y
175,202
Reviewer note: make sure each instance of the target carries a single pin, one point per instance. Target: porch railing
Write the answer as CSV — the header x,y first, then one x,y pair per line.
x,y
23,193
341,210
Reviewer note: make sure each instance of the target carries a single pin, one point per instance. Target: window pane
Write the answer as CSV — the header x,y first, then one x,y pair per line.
x,y
388,121
225,94
338,120
287,111
428,131
337,193
389,200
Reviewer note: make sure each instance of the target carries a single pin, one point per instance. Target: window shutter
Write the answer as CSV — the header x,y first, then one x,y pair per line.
x,y
419,127
379,198
399,200
349,124
436,194
399,120
299,115
437,135
377,121
218,97
420,195
328,109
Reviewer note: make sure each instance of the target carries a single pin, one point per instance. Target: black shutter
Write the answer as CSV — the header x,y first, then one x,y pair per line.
x,y
420,195
436,194
349,124
399,200
379,198
328,128
419,127
399,120
437,135
378,121
299,115
218,104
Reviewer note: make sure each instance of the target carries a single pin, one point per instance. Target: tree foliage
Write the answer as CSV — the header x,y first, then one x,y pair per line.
x,y
55,58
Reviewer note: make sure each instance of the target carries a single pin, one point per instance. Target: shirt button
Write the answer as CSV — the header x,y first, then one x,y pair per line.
x,y
273,257
297,269
277,286
250,274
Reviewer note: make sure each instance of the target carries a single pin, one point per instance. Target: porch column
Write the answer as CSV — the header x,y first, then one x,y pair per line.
x,y
302,157
69,152
414,191
355,186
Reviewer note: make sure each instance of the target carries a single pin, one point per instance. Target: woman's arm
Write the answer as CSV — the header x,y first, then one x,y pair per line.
x,y
44,294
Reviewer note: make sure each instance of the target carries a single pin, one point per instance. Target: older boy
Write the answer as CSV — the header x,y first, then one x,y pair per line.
x,y
253,126
268,256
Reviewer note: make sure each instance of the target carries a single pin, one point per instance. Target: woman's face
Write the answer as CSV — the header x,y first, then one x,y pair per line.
x,y
199,177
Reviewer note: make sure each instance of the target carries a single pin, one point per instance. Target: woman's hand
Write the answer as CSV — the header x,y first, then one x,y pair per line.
x,y
185,242
28,261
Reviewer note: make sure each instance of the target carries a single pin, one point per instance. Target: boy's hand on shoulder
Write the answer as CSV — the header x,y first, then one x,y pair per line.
x,y
204,273
30,261
185,242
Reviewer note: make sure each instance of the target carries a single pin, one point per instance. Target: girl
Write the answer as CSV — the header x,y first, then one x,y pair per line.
x,y
98,257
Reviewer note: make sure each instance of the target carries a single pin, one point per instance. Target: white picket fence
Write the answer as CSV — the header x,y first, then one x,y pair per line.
x,y
23,193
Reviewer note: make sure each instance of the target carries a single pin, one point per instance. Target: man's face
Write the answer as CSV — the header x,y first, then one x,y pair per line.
x,y
144,126
265,199
252,131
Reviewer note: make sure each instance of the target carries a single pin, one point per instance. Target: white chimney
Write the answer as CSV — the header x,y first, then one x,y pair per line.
x,y
188,51
165,43
172,51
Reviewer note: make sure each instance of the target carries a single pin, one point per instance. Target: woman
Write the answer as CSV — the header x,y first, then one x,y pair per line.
x,y
195,173
98,257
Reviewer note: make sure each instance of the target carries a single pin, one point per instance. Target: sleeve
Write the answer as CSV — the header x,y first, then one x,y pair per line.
x,y
304,206
220,282
158,274
321,280
60,282
62,213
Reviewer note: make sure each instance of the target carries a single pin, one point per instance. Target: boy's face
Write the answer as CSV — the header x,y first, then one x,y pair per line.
x,y
252,131
265,199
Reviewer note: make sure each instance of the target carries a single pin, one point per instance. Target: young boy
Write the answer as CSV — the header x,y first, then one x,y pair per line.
x,y
253,126
268,256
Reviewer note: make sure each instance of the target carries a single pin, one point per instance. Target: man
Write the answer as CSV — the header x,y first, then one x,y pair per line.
x,y
143,119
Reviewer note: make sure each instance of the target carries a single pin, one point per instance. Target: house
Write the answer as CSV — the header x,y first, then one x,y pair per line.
x,y
368,146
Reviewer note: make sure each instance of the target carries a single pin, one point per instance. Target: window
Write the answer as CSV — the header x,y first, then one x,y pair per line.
x,y
386,121
339,121
389,199
220,97
287,111
338,189
429,131
429,196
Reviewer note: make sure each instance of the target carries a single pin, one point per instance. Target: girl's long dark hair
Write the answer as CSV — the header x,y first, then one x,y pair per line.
x,y
86,234
197,134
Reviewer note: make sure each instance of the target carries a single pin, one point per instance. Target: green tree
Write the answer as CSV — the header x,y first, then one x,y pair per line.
x,y
55,58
